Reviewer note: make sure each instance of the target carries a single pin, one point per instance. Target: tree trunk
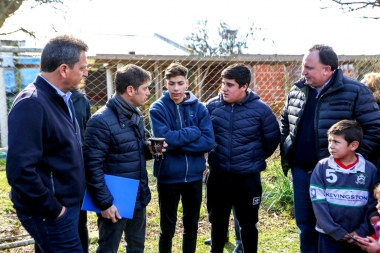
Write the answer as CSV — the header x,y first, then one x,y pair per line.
x,y
8,7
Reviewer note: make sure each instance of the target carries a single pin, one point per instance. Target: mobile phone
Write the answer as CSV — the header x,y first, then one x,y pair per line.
x,y
352,237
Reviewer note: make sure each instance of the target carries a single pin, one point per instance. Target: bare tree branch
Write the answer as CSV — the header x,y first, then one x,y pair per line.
x,y
9,7
350,6
22,30
230,41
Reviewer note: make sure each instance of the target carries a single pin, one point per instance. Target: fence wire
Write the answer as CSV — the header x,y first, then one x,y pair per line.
x,y
272,75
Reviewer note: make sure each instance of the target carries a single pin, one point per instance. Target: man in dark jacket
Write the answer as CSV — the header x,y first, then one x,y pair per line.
x,y
321,98
82,110
246,133
115,144
44,163
184,122
82,114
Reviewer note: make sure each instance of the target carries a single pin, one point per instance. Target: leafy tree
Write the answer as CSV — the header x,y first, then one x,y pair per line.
x,y
230,41
9,7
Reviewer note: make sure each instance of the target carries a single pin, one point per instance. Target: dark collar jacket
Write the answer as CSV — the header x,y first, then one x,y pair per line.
x,y
114,145
44,163
344,98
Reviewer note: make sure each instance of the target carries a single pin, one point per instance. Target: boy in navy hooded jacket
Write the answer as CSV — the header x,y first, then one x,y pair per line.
x,y
185,123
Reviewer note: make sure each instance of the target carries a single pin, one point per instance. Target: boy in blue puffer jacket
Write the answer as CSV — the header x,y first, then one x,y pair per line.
x,y
184,122
246,133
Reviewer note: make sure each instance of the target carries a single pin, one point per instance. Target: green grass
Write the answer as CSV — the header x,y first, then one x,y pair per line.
x,y
277,229
5,203
2,163
277,189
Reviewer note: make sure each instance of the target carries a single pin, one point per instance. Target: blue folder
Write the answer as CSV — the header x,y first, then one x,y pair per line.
x,y
124,192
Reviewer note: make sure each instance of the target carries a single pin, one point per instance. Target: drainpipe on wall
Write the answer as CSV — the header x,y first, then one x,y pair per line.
x,y
3,110
109,82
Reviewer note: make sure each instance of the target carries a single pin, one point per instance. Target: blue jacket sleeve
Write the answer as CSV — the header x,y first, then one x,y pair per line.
x,y
206,141
372,201
320,205
26,130
174,138
96,145
364,228
270,132
368,116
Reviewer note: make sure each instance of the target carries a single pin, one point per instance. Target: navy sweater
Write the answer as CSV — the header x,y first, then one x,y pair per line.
x,y
44,163
306,143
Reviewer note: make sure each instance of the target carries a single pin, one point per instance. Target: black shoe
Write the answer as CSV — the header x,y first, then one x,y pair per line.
x,y
208,241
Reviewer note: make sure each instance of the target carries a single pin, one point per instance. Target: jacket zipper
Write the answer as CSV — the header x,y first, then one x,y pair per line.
x,y
187,166
316,121
302,110
52,182
230,140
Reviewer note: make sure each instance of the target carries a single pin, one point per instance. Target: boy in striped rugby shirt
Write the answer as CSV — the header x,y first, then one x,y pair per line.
x,y
340,189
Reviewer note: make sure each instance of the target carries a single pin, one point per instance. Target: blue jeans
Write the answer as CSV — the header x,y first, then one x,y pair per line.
x,y
134,233
169,196
303,210
55,236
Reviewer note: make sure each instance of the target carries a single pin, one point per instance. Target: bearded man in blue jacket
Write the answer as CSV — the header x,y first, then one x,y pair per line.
x,y
246,133
184,122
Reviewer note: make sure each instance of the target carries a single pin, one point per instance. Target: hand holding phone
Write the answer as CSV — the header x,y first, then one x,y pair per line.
x,y
352,237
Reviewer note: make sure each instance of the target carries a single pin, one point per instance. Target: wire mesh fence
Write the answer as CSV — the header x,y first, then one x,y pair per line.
x,y
272,75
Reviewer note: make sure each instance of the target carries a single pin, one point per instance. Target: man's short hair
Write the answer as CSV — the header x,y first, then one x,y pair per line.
x,y
63,49
131,75
327,56
349,129
176,69
239,72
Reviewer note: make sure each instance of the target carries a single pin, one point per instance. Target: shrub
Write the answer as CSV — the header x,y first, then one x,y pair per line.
x,y
277,189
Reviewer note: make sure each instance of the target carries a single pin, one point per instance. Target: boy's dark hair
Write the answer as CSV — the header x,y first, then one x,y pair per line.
x,y
63,49
239,72
176,69
130,75
327,56
349,129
